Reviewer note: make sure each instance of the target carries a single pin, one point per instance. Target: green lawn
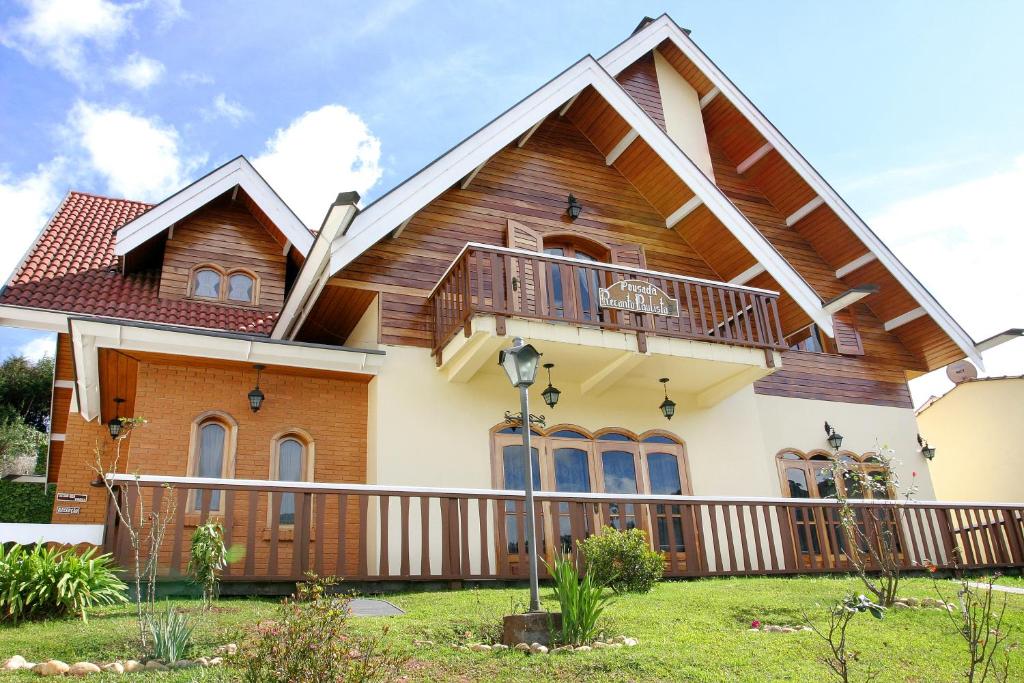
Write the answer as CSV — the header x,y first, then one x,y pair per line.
x,y
693,631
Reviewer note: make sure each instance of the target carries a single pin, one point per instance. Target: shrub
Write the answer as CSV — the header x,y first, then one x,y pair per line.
x,y
310,640
581,602
50,582
622,560
172,635
207,558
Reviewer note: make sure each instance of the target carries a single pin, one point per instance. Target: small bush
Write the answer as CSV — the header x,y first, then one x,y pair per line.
x,y
172,635
622,560
51,582
310,641
581,602
207,559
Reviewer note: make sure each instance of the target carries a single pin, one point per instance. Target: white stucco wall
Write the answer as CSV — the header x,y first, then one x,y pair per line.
x,y
683,120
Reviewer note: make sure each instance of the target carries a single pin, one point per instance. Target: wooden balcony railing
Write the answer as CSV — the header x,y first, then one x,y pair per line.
x,y
524,284
363,532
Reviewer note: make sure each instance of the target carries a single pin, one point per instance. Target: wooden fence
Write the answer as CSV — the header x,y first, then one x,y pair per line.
x,y
380,533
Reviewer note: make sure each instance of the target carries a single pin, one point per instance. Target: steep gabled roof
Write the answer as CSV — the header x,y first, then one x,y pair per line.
x,y
387,213
652,34
236,173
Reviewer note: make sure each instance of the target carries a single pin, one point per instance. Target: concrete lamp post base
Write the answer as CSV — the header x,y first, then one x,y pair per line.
x,y
532,627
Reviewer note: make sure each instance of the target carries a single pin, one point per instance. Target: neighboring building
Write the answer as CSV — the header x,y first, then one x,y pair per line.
x,y
973,428
748,283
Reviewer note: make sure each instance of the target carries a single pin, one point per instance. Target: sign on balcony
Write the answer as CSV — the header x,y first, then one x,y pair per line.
x,y
638,296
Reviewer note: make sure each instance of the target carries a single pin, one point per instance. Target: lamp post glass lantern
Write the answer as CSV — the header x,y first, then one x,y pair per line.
x,y
256,396
835,439
520,364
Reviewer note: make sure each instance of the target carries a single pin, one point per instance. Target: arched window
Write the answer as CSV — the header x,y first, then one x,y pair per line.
x,y
206,283
292,460
211,455
241,288
811,475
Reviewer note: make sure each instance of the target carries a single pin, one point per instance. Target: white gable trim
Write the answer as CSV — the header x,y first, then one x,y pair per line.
x,y
381,217
663,28
236,173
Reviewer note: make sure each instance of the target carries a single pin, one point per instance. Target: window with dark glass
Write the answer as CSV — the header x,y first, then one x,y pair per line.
x,y
290,456
210,458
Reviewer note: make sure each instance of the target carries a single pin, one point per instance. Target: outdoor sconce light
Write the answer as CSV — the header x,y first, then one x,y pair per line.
x,y
520,363
256,396
668,406
927,451
835,439
551,394
575,208
115,423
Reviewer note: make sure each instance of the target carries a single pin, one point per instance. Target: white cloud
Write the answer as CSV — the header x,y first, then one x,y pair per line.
x,y
44,345
195,78
964,242
224,108
320,154
58,32
382,14
28,202
139,157
138,71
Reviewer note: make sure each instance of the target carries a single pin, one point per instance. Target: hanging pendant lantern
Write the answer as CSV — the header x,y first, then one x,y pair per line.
x,y
668,406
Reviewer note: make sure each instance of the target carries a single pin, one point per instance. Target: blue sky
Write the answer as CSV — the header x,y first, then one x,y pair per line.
x,y
911,110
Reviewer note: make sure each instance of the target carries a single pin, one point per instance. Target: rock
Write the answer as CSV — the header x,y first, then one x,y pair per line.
x,y
900,605
216,661
522,647
183,664
133,665
783,629
616,639
612,646
806,628
461,648
753,630
229,649
538,649
14,663
913,602
203,661
600,645
581,648
629,642
498,647
480,647
156,665
83,669
53,667
423,643
113,668
772,628
561,650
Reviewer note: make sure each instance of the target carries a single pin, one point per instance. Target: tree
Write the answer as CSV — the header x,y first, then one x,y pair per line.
x,y
25,390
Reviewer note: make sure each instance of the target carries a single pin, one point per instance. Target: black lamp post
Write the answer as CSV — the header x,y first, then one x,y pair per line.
x,y
520,364
115,424
575,208
835,439
256,396
551,394
927,451
668,406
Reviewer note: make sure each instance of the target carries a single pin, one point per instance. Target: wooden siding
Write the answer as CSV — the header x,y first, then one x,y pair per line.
x,y
831,377
226,234
336,313
640,80
530,185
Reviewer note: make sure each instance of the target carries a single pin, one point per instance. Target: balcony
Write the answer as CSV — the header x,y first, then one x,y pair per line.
x,y
622,323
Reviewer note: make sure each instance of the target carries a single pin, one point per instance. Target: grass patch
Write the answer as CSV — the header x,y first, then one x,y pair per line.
x,y
693,630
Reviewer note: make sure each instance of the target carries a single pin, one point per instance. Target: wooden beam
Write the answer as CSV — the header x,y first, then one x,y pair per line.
x,y
621,146
848,298
910,315
711,94
469,178
400,228
748,274
754,158
528,134
287,247
234,193
991,342
568,105
795,217
610,373
856,263
683,211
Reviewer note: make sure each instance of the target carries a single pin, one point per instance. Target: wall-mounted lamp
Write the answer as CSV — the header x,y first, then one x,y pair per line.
x,y
668,406
927,451
575,208
256,396
551,394
835,439
115,424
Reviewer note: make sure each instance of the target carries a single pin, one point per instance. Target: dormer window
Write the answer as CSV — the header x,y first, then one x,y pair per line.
x,y
236,287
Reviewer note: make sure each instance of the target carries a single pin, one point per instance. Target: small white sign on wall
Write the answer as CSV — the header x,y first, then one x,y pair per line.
x,y
68,509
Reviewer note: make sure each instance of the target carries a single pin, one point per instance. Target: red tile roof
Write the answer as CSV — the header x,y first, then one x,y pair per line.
x,y
72,269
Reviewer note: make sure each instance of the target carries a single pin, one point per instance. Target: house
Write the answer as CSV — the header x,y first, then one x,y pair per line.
x,y
972,427
636,218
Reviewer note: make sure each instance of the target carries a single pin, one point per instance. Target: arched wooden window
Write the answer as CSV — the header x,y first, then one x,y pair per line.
x,y
241,287
207,283
292,460
211,455
811,475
